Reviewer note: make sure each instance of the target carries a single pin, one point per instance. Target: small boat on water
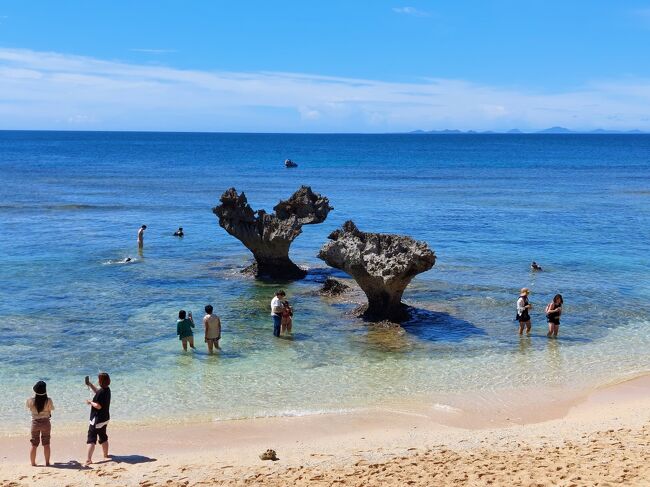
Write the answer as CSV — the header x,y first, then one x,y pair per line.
x,y
289,163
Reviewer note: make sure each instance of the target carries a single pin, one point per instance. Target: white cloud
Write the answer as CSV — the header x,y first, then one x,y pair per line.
x,y
643,16
495,111
80,119
154,51
411,11
644,13
309,113
44,90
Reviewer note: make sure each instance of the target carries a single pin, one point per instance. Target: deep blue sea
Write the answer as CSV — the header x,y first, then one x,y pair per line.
x,y
71,204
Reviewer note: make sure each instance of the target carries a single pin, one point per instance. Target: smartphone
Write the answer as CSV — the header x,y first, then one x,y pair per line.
x,y
87,380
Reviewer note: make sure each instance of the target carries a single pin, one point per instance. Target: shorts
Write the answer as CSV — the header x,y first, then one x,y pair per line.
x,y
41,429
213,340
93,433
554,321
523,317
186,338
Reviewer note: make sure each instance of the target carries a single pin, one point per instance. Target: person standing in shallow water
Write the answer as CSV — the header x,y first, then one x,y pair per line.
x,y
41,408
212,324
277,307
141,236
523,307
99,415
553,313
287,318
184,327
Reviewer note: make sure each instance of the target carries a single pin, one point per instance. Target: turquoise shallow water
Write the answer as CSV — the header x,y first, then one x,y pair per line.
x,y
71,203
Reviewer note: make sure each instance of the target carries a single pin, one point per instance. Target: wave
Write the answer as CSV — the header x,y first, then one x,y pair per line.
x,y
289,413
121,261
60,207
446,408
78,207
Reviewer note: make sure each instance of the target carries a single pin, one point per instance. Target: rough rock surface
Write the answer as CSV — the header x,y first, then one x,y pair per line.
x,y
382,264
332,287
269,236
269,455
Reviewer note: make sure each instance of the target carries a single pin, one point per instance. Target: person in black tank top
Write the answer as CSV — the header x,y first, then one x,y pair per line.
x,y
553,313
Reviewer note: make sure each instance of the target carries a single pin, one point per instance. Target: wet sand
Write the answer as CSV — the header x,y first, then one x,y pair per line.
x,y
602,439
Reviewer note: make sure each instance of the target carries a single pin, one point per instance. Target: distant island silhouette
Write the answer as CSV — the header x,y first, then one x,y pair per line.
x,y
550,130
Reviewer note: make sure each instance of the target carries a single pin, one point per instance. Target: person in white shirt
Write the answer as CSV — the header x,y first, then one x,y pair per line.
x,y
41,408
523,307
276,311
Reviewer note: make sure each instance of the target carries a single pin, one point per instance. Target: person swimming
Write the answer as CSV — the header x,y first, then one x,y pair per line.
x,y
125,260
179,232
535,266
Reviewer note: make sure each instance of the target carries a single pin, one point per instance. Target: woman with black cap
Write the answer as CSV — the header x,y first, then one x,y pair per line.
x,y
41,408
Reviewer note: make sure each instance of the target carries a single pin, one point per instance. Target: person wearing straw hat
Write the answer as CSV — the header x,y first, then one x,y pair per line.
x,y
523,306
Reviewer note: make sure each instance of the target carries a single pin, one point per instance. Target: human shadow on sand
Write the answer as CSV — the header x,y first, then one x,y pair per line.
x,y
71,465
131,459
436,326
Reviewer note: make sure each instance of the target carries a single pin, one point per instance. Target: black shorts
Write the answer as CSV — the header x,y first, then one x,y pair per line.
x,y
93,433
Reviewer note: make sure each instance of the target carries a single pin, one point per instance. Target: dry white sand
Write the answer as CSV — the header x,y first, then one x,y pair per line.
x,y
602,440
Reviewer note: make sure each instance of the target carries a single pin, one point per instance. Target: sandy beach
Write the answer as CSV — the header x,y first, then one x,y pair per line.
x,y
602,439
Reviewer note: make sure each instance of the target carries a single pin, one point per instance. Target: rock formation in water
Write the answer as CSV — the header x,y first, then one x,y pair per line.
x,y
269,236
332,287
382,264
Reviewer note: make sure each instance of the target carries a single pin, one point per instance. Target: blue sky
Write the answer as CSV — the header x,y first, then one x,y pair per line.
x,y
316,66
